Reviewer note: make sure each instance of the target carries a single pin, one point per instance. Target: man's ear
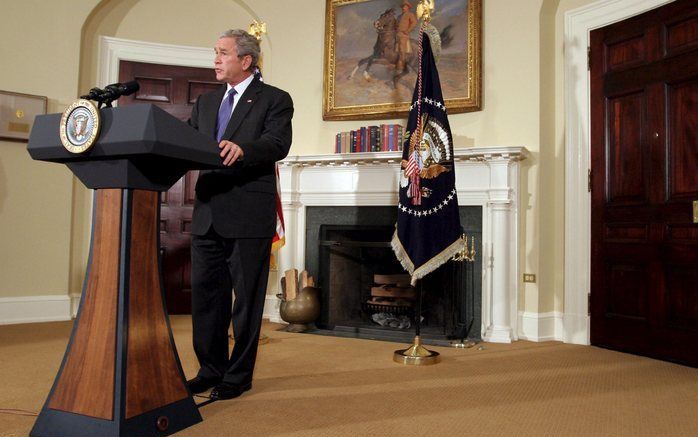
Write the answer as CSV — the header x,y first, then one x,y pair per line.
x,y
246,62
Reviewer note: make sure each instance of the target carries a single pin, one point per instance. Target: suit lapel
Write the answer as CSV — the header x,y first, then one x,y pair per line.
x,y
247,100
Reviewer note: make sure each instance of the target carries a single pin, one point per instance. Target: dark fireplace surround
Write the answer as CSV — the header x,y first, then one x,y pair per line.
x,y
346,245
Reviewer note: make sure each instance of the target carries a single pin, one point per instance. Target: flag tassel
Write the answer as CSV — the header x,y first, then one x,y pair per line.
x,y
429,266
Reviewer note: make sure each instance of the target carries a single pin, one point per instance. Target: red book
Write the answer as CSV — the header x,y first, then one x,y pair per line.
x,y
384,138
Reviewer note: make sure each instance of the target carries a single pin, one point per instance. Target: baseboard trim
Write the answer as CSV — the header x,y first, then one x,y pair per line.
x,y
577,328
541,326
498,334
74,304
54,308
271,309
35,309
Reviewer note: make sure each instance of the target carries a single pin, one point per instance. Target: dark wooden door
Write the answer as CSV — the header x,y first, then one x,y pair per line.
x,y
174,89
644,154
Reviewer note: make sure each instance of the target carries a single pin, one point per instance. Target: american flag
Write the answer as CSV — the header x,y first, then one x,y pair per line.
x,y
412,171
279,238
412,165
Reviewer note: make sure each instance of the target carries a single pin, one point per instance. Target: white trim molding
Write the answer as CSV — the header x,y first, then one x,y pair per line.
x,y
34,309
578,23
485,177
271,309
75,303
540,326
113,50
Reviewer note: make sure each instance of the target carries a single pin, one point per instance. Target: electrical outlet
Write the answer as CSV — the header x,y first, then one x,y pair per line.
x,y
529,277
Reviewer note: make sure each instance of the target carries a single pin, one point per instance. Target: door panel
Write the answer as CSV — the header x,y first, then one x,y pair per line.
x,y
626,233
626,53
627,175
174,89
681,35
683,125
682,301
628,288
644,154
153,89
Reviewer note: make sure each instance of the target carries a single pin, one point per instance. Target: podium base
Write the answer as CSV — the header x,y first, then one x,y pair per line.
x,y
160,422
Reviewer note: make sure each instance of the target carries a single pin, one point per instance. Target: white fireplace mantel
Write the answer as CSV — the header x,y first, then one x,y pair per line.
x,y
486,177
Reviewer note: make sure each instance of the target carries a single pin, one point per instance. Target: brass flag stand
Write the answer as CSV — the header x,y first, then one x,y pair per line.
x,y
417,355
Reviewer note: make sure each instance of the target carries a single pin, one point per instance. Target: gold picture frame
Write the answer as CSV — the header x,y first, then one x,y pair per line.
x,y
353,34
17,112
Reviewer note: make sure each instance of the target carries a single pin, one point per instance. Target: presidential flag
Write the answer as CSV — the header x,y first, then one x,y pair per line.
x,y
428,226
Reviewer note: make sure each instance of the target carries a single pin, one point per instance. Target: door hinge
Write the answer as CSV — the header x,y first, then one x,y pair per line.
x,y
589,183
589,58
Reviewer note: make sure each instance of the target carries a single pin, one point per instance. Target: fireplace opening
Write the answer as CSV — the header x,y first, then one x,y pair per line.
x,y
365,292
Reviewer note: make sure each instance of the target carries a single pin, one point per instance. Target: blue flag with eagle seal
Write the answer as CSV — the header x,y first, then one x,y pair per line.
x,y
428,231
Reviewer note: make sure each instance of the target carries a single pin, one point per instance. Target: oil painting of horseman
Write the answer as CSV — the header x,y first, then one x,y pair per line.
x,y
371,52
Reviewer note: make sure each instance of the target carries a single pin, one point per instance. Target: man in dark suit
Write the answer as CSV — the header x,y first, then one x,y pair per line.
x,y
234,215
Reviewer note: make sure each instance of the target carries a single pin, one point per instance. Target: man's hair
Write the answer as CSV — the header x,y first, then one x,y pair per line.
x,y
245,43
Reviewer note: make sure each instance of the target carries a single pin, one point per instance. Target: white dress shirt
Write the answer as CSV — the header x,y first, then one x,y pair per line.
x,y
239,89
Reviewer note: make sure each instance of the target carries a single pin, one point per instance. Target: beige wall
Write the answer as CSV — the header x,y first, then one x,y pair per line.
x,y
523,106
36,198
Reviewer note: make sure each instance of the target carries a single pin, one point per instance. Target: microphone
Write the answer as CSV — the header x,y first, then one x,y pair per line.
x,y
93,94
111,92
116,90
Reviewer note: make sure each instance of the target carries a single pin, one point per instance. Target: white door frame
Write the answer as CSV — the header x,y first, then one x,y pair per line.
x,y
113,50
578,23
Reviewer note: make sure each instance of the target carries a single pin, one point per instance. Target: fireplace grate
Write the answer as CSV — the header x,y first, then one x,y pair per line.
x,y
397,310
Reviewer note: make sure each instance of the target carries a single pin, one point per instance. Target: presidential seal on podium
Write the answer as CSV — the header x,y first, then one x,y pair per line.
x,y
80,125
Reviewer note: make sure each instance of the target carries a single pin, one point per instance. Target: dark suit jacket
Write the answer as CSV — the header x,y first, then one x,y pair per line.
x,y
239,201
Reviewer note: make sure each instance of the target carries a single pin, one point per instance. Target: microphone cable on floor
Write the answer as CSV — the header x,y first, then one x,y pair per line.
x,y
18,412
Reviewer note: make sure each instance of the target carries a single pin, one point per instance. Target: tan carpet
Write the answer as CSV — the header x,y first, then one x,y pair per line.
x,y
310,385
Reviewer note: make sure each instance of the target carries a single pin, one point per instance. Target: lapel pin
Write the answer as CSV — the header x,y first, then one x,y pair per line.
x,y
249,101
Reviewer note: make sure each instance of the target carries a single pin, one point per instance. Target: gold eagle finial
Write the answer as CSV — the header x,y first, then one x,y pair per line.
x,y
425,9
257,29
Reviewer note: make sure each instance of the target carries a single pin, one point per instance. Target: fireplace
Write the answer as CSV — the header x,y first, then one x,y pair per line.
x,y
364,186
348,248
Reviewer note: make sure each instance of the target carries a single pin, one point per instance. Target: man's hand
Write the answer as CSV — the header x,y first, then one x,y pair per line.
x,y
230,152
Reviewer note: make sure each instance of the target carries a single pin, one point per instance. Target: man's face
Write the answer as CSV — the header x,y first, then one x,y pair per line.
x,y
228,66
405,8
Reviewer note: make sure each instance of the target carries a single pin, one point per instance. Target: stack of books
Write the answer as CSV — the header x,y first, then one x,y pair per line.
x,y
383,138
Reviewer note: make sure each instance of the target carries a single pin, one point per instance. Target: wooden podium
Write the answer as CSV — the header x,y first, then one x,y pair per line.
x,y
121,375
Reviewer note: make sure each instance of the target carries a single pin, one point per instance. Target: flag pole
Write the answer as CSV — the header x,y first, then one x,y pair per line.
x,y
257,29
417,354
